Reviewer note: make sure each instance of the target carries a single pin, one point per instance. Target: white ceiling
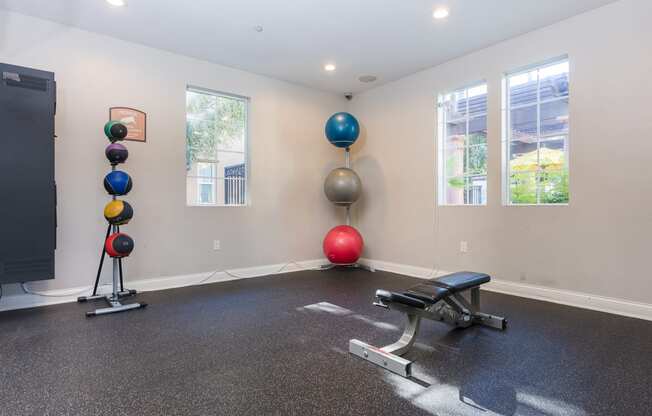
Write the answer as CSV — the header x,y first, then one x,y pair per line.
x,y
386,38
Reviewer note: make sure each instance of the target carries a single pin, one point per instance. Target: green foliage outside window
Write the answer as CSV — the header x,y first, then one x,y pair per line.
x,y
476,156
212,121
456,183
549,175
553,187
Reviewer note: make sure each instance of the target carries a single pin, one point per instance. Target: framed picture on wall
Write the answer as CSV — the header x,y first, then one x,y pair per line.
x,y
135,120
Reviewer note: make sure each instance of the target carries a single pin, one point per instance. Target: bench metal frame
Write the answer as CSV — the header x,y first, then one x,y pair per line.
x,y
454,309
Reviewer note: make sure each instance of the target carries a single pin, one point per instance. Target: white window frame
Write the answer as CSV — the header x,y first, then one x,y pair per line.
x,y
507,131
202,180
441,143
247,152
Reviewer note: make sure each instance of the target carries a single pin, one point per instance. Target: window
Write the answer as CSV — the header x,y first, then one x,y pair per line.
x,y
462,153
535,126
216,148
206,183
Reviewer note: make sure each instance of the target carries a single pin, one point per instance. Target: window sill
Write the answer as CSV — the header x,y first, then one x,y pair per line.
x,y
462,205
537,205
216,206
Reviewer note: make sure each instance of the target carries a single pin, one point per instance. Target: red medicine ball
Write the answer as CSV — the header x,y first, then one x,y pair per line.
x,y
343,245
119,245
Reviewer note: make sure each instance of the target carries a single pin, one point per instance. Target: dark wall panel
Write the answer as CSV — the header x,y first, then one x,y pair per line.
x,y
28,202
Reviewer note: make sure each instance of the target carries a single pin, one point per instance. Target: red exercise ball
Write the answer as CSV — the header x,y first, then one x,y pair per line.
x,y
343,245
119,245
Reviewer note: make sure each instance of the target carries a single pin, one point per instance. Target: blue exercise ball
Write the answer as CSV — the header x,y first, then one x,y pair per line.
x,y
342,129
117,182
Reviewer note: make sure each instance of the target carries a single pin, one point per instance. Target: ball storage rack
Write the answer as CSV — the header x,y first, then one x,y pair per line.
x,y
118,291
329,266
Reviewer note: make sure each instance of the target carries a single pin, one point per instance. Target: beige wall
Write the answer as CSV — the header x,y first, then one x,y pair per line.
x,y
289,157
598,244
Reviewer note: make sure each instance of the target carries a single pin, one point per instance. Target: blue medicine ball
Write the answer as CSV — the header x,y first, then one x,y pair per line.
x,y
117,182
342,129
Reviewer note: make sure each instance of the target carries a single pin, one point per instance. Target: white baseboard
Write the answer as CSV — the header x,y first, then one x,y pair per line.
x,y
565,297
571,298
57,296
404,269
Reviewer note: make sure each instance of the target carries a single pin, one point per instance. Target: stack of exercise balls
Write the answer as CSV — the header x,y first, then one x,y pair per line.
x,y
117,183
343,244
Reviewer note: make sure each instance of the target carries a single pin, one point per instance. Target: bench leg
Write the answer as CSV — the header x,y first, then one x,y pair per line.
x,y
406,341
492,321
473,314
389,357
475,298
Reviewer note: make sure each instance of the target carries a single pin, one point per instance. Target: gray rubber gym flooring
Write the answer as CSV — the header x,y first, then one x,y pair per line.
x,y
277,346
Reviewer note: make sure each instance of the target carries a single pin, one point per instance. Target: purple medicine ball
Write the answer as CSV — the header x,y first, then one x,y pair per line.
x,y
116,153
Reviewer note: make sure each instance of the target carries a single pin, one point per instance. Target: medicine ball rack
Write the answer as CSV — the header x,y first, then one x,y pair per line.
x,y
118,291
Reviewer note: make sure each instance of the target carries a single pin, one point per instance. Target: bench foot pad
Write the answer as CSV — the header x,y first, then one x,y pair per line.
x,y
388,361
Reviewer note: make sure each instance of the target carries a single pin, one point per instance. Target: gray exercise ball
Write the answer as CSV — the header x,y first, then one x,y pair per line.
x,y
342,186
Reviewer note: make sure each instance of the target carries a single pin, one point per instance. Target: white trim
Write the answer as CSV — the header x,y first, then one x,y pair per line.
x,y
57,296
572,298
561,296
541,64
564,297
208,91
404,269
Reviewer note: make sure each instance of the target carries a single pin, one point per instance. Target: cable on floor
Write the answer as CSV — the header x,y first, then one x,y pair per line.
x,y
280,270
48,295
435,235
210,276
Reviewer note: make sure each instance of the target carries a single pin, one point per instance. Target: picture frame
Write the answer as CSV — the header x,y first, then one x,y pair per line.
x,y
135,120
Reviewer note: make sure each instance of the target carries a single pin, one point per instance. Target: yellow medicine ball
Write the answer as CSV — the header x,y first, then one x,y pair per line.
x,y
118,212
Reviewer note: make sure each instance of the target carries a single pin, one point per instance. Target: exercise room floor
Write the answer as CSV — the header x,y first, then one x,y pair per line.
x,y
278,346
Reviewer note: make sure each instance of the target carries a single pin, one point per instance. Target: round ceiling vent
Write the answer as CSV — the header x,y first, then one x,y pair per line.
x,y
368,78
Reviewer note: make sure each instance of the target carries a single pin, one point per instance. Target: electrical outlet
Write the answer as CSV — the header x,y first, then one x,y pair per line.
x,y
216,244
464,247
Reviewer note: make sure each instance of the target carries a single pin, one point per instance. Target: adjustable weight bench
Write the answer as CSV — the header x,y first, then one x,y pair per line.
x,y
439,300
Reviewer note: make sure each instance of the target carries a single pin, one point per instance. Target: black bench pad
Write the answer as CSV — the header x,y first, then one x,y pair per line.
x,y
428,293
460,281
388,296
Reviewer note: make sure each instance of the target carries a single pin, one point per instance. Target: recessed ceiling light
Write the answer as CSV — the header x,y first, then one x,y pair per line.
x,y
440,13
117,3
329,67
259,28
